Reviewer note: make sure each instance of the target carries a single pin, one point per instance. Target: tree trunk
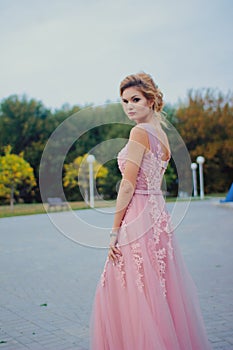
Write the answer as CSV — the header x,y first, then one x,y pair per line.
x,y
12,198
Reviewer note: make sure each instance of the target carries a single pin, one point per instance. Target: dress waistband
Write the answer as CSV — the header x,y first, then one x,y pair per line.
x,y
155,192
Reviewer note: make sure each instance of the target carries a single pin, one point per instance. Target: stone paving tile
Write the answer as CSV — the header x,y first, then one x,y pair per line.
x,y
41,266
221,346
13,345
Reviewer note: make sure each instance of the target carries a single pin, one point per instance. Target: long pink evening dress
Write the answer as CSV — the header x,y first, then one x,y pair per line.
x,y
148,300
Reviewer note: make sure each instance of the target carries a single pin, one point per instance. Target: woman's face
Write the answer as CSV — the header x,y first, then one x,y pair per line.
x,y
135,105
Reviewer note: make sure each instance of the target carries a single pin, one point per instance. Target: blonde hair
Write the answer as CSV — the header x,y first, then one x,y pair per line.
x,y
146,85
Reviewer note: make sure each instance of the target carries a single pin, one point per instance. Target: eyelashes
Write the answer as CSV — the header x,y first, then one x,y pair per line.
x,y
134,100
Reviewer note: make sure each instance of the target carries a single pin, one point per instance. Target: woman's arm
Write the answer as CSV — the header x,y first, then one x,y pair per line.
x,y
138,143
135,151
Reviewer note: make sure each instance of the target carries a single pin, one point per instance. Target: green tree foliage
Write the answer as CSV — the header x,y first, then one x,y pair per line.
x,y
76,176
112,124
14,172
170,114
111,186
21,122
206,124
26,125
170,177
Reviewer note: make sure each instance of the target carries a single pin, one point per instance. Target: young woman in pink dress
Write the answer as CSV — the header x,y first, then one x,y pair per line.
x,y
145,299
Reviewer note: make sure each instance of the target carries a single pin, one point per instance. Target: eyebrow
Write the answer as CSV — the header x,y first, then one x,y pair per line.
x,y
131,97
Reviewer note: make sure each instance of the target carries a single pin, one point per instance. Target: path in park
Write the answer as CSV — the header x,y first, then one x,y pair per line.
x,y
48,281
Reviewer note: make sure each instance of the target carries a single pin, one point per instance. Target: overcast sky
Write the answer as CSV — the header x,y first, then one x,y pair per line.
x,y
77,52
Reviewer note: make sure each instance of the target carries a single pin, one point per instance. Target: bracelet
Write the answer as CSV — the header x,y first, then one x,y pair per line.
x,y
113,234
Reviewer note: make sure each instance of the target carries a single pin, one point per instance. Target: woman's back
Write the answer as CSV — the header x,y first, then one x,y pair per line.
x,y
154,162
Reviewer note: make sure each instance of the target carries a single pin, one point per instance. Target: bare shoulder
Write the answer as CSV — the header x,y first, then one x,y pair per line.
x,y
137,130
138,134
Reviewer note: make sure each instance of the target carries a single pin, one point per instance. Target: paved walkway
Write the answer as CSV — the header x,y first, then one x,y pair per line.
x,y
47,282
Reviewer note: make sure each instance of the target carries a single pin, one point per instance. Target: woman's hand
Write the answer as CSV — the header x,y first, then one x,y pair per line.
x,y
113,254
113,250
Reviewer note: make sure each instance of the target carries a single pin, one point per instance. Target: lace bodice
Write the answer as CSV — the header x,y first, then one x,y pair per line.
x,y
145,228
152,168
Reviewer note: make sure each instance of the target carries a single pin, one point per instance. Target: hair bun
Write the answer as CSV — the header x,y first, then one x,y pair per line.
x,y
158,101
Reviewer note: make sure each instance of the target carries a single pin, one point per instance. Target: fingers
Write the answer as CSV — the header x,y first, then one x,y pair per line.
x,y
116,250
112,257
113,254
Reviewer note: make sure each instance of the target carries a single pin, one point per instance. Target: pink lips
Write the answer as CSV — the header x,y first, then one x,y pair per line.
x,y
131,113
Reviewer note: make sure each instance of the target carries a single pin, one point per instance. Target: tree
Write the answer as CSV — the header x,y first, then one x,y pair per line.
x,y
14,172
77,175
170,113
26,124
21,122
206,124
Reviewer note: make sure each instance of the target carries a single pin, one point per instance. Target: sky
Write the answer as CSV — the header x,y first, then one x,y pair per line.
x,y
77,52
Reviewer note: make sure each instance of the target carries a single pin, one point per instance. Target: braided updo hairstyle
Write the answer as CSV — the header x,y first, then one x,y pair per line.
x,y
145,84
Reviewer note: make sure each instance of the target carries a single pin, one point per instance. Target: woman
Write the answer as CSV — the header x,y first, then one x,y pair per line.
x,y
145,299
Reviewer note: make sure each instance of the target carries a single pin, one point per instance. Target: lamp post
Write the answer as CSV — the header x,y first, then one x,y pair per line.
x,y
90,161
200,160
194,173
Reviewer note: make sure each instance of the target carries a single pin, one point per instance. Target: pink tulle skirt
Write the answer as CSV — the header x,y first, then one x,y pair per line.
x,y
147,300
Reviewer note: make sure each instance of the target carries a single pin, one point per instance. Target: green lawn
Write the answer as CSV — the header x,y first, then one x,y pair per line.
x,y
38,208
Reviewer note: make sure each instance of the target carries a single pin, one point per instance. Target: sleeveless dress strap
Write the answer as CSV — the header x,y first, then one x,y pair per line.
x,y
153,142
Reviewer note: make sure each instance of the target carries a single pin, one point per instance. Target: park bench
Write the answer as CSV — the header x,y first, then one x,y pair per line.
x,y
56,202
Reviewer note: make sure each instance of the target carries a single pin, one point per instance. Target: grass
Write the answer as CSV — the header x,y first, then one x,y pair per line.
x,y
38,208
216,195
